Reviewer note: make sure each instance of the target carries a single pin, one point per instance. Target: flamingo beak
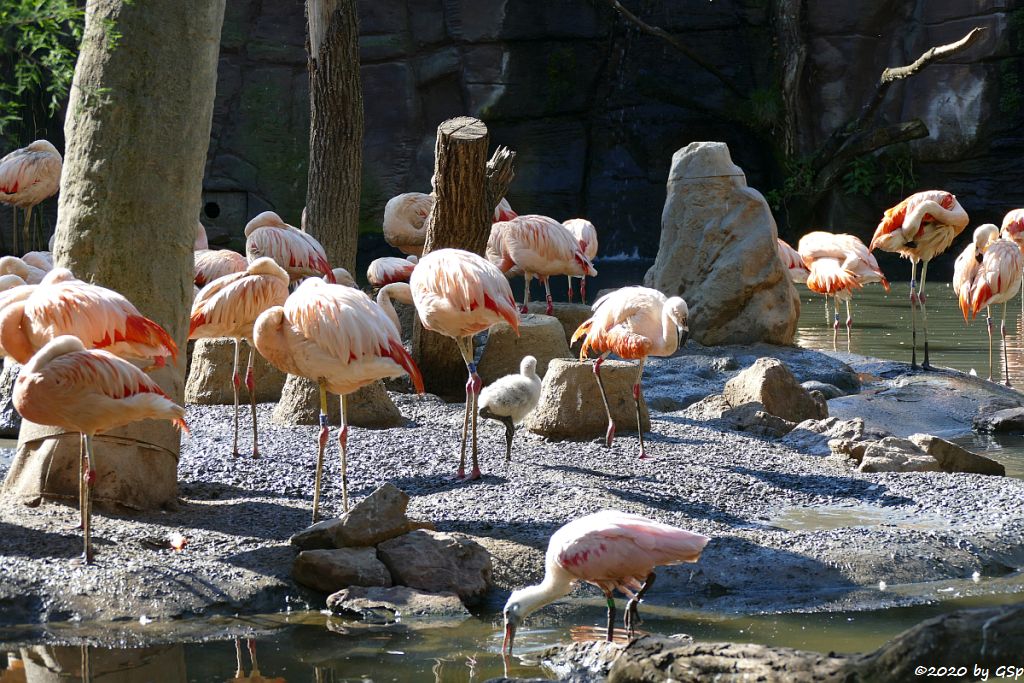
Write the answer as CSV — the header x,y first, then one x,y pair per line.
x,y
684,334
510,634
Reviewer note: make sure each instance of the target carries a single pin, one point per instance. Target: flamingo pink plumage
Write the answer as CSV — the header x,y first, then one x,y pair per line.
x,y
632,322
539,246
297,252
100,317
88,391
201,242
503,211
610,549
1013,229
389,269
403,221
228,307
27,177
210,264
340,338
458,294
790,258
584,232
920,228
12,265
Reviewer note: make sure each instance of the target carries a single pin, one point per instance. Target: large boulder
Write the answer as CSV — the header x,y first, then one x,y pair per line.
x,y
378,517
811,437
953,458
540,336
894,454
439,563
10,420
570,400
369,407
209,375
769,382
718,252
328,571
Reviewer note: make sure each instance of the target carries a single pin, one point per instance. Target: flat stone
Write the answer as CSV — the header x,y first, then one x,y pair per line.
x,y
954,458
370,407
829,391
570,401
328,571
812,437
711,407
893,454
439,563
769,382
388,605
209,376
540,336
1006,420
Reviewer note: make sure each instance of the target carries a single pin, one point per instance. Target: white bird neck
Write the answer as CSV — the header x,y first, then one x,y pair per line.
x,y
555,585
398,290
669,341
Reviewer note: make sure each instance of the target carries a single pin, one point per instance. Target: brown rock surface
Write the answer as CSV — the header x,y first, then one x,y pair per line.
x,y
769,382
540,336
439,562
209,375
329,571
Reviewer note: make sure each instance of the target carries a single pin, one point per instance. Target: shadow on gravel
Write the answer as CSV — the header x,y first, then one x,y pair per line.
x,y
427,483
586,471
673,503
274,561
202,490
861,489
244,518
19,541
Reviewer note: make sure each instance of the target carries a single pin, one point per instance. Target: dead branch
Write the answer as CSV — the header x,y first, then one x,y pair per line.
x,y
501,170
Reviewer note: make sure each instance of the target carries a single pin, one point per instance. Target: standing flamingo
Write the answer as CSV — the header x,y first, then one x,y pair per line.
x,y
1013,229
988,272
297,252
339,337
632,322
920,228
610,549
584,232
458,294
384,271
838,264
27,177
539,246
228,307
88,391
210,264
99,317
798,272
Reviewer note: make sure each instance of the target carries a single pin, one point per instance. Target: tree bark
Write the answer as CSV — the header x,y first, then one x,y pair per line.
x,y
137,130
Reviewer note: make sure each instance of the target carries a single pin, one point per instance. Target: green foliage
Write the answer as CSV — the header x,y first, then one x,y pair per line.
x,y
899,170
862,177
763,110
1010,96
799,183
892,169
40,41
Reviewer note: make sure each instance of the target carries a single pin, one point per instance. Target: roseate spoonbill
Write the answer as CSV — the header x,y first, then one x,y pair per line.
x,y
99,317
610,549
343,277
920,228
27,177
511,398
340,338
1013,229
211,264
838,264
988,272
539,246
459,294
584,232
228,307
384,271
201,242
632,322
12,265
88,391
297,252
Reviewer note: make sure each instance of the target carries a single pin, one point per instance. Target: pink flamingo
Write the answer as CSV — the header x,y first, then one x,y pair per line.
x,y
340,338
211,264
458,294
88,391
12,265
384,271
1013,229
503,211
27,177
228,307
920,228
798,272
200,242
297,252
100,317
613,550
838,264
988,272
405,214
632,322
584,232
539,246
343,277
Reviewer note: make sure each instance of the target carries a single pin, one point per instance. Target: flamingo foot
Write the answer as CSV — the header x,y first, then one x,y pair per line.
x,y
609,435
461,474
475,474
523,309
551,308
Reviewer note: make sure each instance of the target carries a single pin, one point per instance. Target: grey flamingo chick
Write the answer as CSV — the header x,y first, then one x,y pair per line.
x,y
511,398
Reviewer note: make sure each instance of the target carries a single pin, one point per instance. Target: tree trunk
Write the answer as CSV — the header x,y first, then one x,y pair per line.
x,y
137,130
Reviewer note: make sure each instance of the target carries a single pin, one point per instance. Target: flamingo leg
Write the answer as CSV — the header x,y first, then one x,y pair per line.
x,y
343,448
632,617
510,431
988,324
849,325
473,384
81,481
27,227
255,673
250,385
926,365
610,434
235,382
322,446
461,474
913,314
14,235
547,293
1006,360
828,316
583,290
526,293
611,616
835,325
570,288
90,476
636,402
240,668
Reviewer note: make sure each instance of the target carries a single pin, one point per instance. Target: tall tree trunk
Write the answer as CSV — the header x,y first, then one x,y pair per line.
x,y
137,129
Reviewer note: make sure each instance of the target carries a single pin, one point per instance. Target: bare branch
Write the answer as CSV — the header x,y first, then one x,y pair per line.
x,y
501,170
864,143
894,73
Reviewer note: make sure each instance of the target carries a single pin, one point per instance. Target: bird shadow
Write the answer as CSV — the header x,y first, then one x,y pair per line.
x,y
250,518
693,510
813,484
571,469
21,541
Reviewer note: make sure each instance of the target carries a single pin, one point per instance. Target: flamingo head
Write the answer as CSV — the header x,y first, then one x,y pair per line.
x,y
515,612
42,146
679,313
984,235
263,220
892,222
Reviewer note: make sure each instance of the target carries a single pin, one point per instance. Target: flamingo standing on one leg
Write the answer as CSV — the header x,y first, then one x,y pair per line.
x,y
297,252
458,294
384,271
1013,229
610,549
210,264
584,232
228,307
339,337
837,265
632,322
27,177
920,228
88,391
539,246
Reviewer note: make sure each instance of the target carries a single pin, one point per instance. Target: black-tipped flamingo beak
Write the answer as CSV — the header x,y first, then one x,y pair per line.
x,y
510,634
683,336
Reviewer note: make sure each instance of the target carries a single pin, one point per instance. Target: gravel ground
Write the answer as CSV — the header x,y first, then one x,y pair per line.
x,y
239,513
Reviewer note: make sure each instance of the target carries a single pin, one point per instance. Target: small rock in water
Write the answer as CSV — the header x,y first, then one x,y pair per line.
x,y
329,571
387,605
439,563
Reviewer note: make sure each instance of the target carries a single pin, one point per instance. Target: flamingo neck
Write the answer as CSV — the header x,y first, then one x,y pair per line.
x,y
554,586
398,290
669,341
13,337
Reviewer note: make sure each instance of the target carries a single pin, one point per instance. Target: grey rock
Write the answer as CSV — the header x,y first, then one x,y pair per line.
x,y
1009,420
10,420
328,571
439,563
752,418
893,454
370,407
812,436
711,407
769,382
387,605
540,336
209,377
378,517
954,458
570,315
829,391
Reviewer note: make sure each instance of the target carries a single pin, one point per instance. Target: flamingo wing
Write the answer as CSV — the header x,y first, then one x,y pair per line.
x,y
458,293
234,301
999,275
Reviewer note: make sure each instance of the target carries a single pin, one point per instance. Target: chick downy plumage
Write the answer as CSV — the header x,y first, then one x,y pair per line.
x,y
511,398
